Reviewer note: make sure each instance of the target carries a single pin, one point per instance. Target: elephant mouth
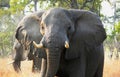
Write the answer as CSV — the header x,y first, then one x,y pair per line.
x,y
25,57
52,43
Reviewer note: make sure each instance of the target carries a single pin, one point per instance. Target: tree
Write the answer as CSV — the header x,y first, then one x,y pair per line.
x,y
4,3
6,35
117,31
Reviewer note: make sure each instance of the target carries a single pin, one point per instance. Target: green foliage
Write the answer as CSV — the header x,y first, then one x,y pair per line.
x,y
115,34
7,29
117,28
93,5
5,42
17,6
4,12
117,31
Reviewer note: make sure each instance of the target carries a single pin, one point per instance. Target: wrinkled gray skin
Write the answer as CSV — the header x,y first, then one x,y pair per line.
x,y
26,32
85,34
20,56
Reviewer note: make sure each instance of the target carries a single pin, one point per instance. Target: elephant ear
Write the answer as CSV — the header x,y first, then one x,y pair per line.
x,y
39,13
89,33
30,24
20,34
17,33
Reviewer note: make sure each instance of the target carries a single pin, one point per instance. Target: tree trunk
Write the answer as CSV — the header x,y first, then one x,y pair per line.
x,y
35,4
74,4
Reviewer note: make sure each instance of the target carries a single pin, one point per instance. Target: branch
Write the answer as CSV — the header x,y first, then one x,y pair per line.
x,y
4,5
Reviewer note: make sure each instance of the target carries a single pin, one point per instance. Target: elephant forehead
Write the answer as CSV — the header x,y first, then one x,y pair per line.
x,y
53,14
16,44
59,21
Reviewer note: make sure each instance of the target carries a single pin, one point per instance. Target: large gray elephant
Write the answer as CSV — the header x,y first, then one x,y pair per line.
x,y
73,40
26,32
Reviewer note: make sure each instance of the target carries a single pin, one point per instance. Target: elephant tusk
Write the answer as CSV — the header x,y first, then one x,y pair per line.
x,y
10,62
37,45
66,44
42,32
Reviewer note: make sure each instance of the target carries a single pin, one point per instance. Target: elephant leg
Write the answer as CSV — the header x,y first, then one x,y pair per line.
x,y
78,66
62,73
36,67
78,69
99,72
33,66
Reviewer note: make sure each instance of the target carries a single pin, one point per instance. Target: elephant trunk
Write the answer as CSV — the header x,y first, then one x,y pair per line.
x,y
53,59
17,61
54,43
16,65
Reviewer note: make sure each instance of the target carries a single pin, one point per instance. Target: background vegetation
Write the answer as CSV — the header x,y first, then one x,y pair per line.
x,y
11,12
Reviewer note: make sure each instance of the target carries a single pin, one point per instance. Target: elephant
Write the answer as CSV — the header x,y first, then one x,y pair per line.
x,y
26,32
20,55
73,41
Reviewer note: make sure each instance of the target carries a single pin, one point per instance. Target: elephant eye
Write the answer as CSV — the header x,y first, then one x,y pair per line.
x,y
42,28
69,27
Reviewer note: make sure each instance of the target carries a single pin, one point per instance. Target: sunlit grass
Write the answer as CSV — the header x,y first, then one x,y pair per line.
x,y
111,68
6,69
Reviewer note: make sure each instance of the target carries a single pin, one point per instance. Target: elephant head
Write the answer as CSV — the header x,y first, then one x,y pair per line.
x,y
26,32
66,31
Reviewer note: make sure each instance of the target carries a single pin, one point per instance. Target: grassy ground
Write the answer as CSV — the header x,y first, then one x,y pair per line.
x,y
111,68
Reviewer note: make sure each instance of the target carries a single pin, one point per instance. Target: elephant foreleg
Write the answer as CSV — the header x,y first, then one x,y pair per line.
x,y
36,64
79,66
78,70
99,72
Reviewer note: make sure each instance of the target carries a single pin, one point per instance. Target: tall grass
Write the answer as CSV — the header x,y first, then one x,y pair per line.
x,y
111,68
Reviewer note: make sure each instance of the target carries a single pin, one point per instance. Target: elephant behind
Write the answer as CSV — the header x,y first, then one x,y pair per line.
x,y
73,40
20,56
26,32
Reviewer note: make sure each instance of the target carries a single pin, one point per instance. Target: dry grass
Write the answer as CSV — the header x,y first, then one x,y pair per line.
x,y
111,69
6,69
